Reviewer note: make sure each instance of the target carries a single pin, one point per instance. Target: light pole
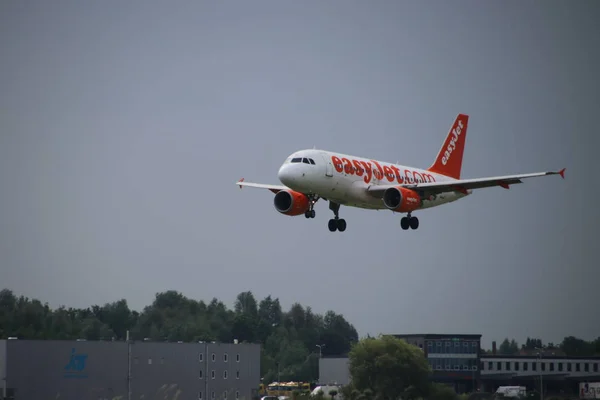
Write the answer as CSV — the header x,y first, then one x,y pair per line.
x,y
320,346
541,377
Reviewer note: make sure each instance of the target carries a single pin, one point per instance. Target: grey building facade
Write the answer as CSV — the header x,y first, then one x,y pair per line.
x,y
454,359
334,371
36,369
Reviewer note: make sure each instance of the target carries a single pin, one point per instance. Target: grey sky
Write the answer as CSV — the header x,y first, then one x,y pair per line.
x,y
124,126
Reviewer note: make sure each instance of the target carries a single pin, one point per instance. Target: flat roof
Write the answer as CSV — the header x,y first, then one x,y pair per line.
x,y
438,335
546,357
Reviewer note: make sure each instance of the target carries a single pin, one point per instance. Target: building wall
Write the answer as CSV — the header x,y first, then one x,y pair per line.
x,y
66,369
195,370
236,369
2,367
99,370
334,370
532,366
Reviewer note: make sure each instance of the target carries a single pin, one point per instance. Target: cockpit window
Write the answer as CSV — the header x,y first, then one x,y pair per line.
x,y
304,160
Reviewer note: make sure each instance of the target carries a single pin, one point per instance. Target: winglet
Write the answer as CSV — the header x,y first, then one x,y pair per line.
x,y
562,173
241,180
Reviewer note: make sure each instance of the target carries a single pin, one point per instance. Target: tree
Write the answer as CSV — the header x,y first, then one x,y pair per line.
x,y
533,343
288,338
508,347
390,367
574,347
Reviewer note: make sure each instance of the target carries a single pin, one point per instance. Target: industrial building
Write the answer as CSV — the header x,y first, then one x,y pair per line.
x,y
457,360
36,369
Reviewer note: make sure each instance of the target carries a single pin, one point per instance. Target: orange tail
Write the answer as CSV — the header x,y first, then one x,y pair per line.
x,y
449,159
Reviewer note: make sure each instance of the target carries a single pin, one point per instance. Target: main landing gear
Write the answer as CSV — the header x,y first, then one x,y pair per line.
x,y
409,222
311,206
336,223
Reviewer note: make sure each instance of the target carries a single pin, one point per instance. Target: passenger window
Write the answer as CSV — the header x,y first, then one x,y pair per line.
x,y
305,161
296,160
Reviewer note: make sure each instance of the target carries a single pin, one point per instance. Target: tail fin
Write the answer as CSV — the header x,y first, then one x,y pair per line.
x,y
449,159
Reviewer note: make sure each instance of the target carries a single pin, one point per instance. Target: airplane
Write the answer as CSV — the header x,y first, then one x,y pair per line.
x,y
341,179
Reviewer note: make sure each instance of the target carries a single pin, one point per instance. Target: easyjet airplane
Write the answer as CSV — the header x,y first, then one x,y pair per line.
x,y
340,179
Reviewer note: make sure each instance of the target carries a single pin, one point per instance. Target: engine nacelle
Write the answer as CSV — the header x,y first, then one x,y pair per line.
x,y
291,203
401,199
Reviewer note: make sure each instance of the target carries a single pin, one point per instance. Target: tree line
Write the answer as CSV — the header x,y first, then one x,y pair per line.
x,y
570,346
289,339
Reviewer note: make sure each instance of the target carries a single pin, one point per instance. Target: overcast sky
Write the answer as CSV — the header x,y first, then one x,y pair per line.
x,y
124,126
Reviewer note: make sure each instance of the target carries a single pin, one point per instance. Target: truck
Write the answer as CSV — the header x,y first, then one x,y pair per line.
x,y
589,390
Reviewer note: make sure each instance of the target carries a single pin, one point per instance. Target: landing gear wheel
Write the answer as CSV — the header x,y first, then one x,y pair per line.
x,y
309,214
414,222
332,225
336,223
404,223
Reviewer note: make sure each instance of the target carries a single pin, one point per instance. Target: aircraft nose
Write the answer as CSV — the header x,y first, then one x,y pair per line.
x,y
285,175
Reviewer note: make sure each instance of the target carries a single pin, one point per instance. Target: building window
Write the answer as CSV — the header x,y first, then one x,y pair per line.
x,y
525,365
543,366
569,367
534,366
199,395
212,374
237,394
214,357
225,357
225,374
225,394
577,367
516,365
200,374
551,366
498,366
586,367
237,357
237,374
212,395
490,365
595,367
508,365
560,366
200,357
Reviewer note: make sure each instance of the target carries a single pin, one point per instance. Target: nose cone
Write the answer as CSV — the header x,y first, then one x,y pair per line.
x,y
285,175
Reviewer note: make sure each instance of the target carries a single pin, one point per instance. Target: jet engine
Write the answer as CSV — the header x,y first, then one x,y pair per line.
x,y
291,203
401,199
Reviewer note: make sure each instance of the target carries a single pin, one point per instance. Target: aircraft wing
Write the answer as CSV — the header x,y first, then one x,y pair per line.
x,y
272,188
462,185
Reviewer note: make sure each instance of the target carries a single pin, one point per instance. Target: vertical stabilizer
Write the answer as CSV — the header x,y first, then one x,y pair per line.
x,y
449,159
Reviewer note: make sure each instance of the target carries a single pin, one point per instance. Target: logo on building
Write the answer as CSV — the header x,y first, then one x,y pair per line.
x,y
76,366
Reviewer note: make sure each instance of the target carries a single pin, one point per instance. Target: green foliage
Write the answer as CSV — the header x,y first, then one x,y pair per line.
x,y
288,339
389,367
571,346
508,347
439,391
574,347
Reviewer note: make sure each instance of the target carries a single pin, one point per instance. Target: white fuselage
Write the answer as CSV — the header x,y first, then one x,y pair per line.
x,y
342,178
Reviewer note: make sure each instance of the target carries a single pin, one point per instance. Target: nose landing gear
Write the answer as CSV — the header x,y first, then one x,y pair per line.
x,y
311,206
